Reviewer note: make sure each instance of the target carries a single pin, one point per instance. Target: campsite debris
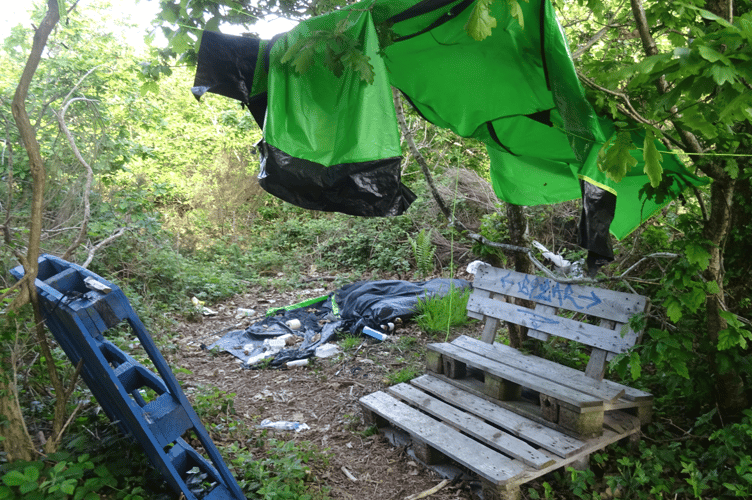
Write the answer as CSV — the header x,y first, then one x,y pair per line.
x,y
257,358
297,363
199,305
326,350
293,324
242,312
282,425
313,322
373,333
349,474
429,492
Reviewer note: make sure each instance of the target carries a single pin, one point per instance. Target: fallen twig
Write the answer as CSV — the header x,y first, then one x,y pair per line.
x,y
429,492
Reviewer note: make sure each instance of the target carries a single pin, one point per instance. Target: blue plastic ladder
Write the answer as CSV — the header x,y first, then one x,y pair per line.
x,y
79,307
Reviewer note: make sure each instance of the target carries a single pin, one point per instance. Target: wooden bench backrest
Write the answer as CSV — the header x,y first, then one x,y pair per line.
x,y
546,308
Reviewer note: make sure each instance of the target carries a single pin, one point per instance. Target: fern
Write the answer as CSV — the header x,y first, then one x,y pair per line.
x,y
423,252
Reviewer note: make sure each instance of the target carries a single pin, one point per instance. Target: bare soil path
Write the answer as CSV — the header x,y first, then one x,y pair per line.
x,y
323,395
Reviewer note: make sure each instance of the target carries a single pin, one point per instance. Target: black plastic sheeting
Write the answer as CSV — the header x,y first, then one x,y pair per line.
x,y
361,304
598,208
369,188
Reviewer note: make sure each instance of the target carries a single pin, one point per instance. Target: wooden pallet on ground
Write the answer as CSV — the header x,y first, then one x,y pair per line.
x,y
510,417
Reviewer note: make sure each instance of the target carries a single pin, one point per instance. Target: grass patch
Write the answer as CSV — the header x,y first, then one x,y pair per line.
x,y
438,314
404,375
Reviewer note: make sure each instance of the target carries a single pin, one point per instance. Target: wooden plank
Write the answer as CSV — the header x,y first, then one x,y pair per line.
x,y
578,399
539,365
592,445
592,335
543,368
608,304
487,463
517,425
472,425
546,310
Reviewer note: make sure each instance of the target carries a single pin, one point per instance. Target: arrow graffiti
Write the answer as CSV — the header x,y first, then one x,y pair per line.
x,y
536,320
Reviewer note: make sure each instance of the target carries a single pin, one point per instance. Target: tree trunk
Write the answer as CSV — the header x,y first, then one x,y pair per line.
x,y
17,443
516,223
15,432
729,385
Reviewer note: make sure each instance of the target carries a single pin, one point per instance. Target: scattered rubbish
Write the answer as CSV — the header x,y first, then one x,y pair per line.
x,y
373,333
293,324
257,358
282,425
556,259
95,285
472,268
310,324
297,363
326,350
278,343
199,305
242,312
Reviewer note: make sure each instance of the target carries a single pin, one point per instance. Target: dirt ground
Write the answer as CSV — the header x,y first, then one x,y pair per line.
x,y
323,395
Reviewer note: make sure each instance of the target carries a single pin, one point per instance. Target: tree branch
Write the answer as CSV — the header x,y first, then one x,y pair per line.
x,y
689,140
418,156
89,176
102,243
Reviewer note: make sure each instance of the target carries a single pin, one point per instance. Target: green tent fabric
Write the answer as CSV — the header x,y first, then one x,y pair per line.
x,y
332,143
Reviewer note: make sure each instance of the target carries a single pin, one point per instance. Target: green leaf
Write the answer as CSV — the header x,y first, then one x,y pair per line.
x,y
362,64
712,17
712,55
213,24
481,23
680,367
515,10
711,288
653,167
741,101
27,487
618,161
635,366
147,87
333,61
723,74
304,59
674,309
698,255
180,42
14,478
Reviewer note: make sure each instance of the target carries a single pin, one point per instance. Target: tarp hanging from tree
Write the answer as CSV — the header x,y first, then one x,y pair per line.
x,y
322,94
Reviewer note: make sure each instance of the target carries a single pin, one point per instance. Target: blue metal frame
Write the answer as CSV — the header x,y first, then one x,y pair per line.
x,y
78,317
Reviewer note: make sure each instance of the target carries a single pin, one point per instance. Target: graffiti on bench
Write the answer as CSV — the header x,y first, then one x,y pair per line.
x,y
545,290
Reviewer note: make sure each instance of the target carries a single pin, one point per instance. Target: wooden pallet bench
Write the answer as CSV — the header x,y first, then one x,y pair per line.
x,y
510,417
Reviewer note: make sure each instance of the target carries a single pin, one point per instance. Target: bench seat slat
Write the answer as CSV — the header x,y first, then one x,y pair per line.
x,y
517,425
608,391
573,397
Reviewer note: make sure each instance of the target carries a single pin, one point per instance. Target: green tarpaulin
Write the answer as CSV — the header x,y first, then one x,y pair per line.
x,y
331,142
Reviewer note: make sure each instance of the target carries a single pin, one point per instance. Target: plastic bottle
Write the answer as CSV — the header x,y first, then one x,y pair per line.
x,y
373,333
242,312
297,362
